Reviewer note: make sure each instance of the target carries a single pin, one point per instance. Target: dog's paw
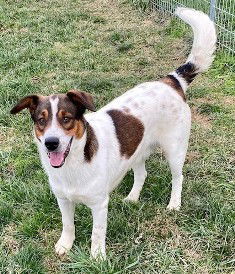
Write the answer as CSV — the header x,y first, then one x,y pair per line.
x,y
174,205
63,246
98,254
131,198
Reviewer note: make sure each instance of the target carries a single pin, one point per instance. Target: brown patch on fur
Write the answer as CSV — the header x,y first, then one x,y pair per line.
x,y
45,114
43,111
30,102
129,130
40,110
80,129
77,130
92,145
70,118
38,133
83,100
67,106
61,116
171,81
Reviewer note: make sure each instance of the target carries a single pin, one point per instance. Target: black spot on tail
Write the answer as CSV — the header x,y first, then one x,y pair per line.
x,y
187,71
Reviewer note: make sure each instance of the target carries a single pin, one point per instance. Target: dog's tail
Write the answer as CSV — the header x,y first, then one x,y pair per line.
x,y
204,45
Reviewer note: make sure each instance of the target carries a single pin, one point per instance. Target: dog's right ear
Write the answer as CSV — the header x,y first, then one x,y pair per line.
x,y
29,102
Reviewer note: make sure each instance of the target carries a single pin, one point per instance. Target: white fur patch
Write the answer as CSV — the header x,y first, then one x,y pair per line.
x,y
54,109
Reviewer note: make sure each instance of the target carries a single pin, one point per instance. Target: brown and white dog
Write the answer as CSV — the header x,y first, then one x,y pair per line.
x,y
86,156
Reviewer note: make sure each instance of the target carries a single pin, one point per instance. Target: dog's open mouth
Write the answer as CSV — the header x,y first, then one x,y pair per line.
x,y
57,159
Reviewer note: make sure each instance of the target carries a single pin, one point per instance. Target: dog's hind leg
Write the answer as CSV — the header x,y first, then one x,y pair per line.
x,y
99,212
139,178
175,148
176,162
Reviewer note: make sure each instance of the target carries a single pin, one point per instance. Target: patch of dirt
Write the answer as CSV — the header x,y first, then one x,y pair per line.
x,y
205,100
162,227
8,238
203,120
192,156
24,30
148,43
52,264
191,253
7,138
218,99
50,75
228,100
50,237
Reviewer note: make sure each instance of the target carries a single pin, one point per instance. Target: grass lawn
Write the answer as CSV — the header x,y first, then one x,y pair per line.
x,y
106,47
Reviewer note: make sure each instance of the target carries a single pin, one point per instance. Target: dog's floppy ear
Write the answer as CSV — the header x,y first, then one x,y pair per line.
x,y
81,99
29,102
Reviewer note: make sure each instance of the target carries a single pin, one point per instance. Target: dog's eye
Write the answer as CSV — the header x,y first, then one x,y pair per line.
x,y
41,121
66,119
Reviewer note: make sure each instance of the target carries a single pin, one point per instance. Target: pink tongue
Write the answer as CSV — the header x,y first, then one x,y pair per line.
x,y
56,158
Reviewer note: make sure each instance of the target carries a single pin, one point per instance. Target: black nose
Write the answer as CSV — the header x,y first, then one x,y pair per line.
x,y
52,143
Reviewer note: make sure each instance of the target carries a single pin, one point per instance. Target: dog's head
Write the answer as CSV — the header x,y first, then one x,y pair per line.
x,y
57,120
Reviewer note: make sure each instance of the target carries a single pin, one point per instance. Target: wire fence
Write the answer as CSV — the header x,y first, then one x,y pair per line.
x,y
222,12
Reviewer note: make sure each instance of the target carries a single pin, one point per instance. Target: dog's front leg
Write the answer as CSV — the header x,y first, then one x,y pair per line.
x,y
99,213
68,233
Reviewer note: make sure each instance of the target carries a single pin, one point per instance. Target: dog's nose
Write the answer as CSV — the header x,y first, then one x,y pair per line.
x,y
52,143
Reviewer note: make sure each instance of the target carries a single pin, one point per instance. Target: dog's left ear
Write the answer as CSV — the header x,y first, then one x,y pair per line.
x,y
29,102
81,99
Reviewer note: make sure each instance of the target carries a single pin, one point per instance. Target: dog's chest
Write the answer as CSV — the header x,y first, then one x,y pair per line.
x,y
76,185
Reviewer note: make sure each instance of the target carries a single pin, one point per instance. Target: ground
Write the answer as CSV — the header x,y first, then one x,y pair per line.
x,y
106,47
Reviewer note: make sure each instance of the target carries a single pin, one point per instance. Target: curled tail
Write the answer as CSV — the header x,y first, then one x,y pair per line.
x,y
204,42
204,45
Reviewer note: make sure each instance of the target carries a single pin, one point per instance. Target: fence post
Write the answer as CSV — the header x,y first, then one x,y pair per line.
x,y
212,9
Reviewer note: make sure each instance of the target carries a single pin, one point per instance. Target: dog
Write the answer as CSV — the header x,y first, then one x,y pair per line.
x,y
87,155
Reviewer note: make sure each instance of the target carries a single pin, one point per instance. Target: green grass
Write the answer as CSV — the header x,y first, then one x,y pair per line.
x,y
104,48
224,16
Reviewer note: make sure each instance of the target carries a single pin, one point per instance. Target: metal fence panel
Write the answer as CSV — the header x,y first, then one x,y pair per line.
x,y
222,12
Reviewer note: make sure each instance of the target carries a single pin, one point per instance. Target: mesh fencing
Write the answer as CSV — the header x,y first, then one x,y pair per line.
x,y
222,12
